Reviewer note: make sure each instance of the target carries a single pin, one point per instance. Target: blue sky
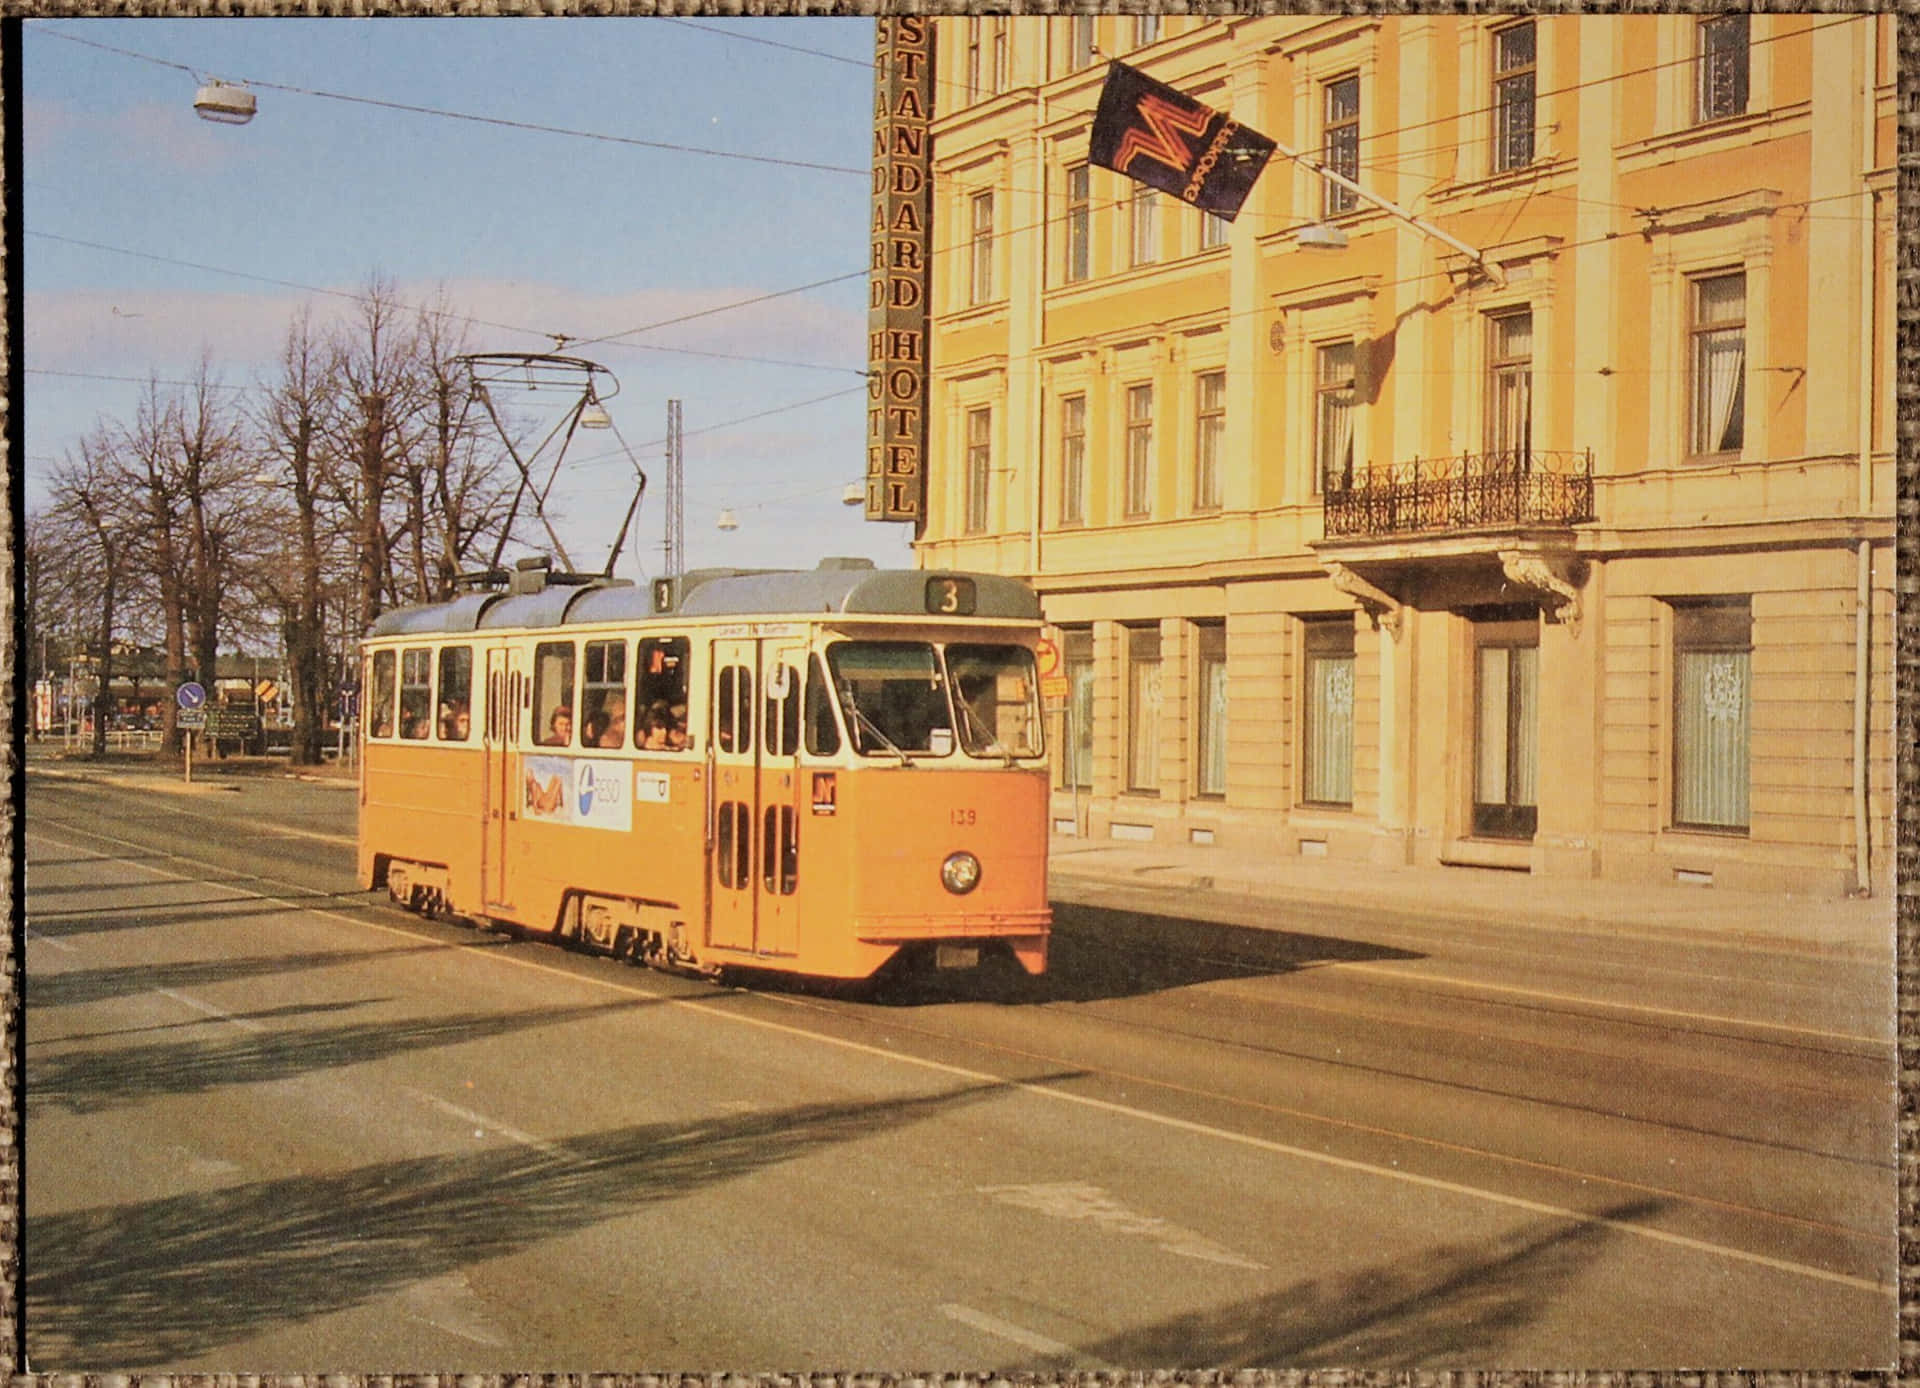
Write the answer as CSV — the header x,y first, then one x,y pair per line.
x,y
209,237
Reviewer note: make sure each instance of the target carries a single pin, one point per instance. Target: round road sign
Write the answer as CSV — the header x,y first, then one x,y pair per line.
x,y
190,695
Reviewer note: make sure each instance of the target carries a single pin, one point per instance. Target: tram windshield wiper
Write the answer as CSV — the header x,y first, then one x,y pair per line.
x,y
978,732
860,714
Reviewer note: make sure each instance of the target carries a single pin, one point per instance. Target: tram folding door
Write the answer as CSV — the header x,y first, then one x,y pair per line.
x,y
501,788
755,830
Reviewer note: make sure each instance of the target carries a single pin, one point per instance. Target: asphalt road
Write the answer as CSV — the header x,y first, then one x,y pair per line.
x,y
274,1125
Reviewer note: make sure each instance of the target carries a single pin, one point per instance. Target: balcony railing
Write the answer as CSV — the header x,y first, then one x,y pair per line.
x,y
1518,487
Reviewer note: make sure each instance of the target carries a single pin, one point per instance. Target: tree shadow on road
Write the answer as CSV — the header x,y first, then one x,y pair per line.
x,y
1451,1306
85,1081
74,987
133,1286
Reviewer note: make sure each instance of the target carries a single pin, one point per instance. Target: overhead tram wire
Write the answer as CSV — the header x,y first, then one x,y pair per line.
x,y
500,121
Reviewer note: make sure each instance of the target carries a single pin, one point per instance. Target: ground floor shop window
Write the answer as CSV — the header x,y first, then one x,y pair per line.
x,y
1506,734
1327,726
1076,650
1210,709
1143,709
1712,668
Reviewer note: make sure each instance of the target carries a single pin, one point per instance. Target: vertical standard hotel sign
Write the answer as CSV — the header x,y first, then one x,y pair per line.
x,y
897,298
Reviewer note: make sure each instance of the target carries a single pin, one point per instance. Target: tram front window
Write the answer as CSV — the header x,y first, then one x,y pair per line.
x,y
994,689
894,698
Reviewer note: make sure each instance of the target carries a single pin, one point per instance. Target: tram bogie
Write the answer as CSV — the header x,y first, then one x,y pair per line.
x,y
799,772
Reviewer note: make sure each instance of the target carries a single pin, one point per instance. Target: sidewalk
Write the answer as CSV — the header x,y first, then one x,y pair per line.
x,y
1183,869
1478,894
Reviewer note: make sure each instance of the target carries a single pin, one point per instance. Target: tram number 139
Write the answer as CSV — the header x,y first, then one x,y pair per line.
x,y
963,818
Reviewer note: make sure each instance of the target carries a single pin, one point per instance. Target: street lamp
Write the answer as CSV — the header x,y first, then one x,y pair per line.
x,y
224,103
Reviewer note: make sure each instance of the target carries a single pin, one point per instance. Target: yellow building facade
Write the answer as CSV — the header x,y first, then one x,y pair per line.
x,y
1531,507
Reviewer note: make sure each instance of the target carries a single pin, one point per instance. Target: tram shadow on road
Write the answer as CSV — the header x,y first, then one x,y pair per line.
x,y
1100,952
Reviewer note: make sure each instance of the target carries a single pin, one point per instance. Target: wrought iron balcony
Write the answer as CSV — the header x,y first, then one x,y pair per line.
x,y
1468,492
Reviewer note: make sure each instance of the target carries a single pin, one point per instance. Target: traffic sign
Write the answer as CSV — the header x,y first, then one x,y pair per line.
x,y
191,720
1046,655
190,695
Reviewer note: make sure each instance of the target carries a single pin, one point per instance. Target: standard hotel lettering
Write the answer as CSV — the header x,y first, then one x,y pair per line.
x,y
897,294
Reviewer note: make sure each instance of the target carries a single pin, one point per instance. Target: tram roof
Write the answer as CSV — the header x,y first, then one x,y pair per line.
x,y
831,589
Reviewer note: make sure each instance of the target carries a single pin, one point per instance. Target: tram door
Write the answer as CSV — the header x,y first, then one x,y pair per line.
x,y
755,829
503,688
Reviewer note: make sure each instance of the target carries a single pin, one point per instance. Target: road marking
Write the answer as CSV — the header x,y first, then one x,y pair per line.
x,y
1077,1200
1546,995
1018,1335
1513,1202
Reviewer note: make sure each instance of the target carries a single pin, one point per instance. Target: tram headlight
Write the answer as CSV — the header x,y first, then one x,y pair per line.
x,y
960,873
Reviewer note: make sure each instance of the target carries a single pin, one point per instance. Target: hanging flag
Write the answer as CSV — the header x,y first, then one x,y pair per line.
x,y
1150,132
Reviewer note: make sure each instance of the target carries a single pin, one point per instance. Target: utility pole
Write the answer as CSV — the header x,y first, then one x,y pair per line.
x,y
675,545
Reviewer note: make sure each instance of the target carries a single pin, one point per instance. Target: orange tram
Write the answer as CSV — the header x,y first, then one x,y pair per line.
x,y
811,771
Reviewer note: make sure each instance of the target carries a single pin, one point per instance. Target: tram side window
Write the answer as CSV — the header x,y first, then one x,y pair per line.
x,y
553,694
456,693
416,692
823,734
660,699
733,721
603,695
380,695
781,721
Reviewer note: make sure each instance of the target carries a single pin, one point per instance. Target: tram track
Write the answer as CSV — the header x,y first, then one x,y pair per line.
x,y
894,1023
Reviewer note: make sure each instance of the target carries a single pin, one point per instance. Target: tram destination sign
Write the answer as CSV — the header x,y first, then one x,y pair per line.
x,y
898,280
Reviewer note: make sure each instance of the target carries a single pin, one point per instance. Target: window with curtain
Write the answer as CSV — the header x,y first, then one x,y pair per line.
x,y
1513,74
1139,477
1340,145
1080,43
979,467
1079,223
1073,460
1143,708
980,287
1333,415
1210,432
1210,709
1327,725
1145,222
1712,702
1510,388
1718,388
1722,70
1213,230
1506,726
1076,660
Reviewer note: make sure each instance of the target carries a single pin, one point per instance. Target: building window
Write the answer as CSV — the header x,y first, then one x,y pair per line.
x,y
979,467
1327,725
1506,722
1080,43
1145,221
1143,708
981,285
1210,708
999,56
1210,431
1340,150
1513,74
1079,223
1146,29
1510,389
1722,86
973,59
1076,660
1139,450
1333,415
1718,363
1712,670
1213,230
1073,460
